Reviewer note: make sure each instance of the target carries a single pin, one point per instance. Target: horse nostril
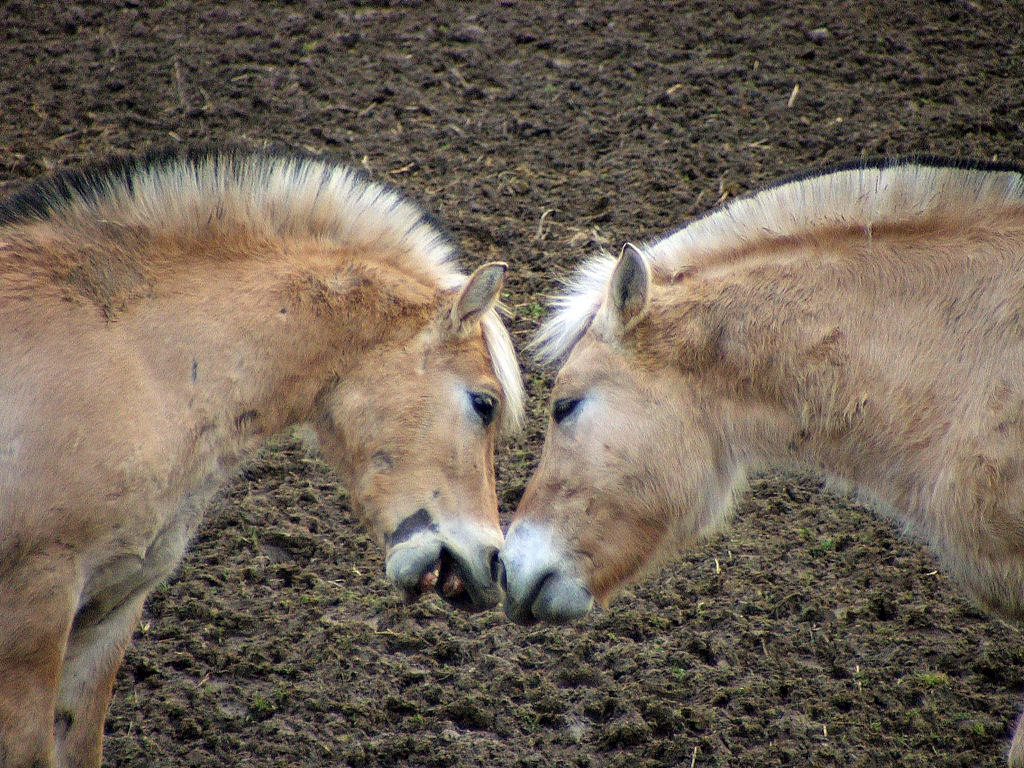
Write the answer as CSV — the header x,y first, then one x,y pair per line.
x,y
498,571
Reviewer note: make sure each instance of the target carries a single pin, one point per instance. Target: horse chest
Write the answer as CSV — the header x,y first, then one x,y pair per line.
x,y
127,568
155,528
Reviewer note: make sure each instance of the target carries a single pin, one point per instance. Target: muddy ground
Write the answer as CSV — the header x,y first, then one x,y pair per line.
x,y
808,635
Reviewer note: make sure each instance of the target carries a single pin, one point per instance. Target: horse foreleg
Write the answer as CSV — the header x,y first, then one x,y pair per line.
x,y
90,667
36,607
28,686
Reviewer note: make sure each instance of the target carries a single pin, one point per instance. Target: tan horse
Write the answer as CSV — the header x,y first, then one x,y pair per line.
x,y
160,316
867,323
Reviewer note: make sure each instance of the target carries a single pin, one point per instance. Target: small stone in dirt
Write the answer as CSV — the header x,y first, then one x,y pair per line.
x,y
469,33
818,35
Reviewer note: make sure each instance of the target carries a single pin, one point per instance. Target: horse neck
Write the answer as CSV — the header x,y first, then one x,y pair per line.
x,y
843,367
256,341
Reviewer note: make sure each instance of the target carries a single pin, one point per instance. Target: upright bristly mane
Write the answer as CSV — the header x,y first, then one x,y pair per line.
x,y
856,195
271,195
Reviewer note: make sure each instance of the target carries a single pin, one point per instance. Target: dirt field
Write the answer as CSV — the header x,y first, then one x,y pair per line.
x,y
808,635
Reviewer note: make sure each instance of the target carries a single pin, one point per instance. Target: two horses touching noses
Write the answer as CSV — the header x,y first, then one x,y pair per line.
x,y
159,316
867,323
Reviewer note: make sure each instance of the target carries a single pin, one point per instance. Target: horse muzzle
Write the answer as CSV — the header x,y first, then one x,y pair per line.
x,y
455,562
540,583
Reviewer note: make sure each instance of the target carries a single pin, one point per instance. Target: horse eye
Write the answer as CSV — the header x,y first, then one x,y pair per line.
x,y
485,405
563,408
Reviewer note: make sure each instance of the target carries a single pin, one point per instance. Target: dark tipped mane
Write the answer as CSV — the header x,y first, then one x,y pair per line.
x,y
53,195
858,194
49,195
271,190
884,162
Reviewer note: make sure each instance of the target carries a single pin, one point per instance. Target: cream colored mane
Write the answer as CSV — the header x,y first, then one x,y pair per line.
x,y
271,197
855,196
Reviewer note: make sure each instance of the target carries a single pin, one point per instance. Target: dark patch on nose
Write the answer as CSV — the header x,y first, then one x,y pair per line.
x,y
413,524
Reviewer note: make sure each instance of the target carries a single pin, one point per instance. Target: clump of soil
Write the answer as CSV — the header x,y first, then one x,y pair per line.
x,y
809,635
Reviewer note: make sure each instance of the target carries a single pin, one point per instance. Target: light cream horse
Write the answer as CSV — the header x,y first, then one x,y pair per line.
x,y
867,323
159,317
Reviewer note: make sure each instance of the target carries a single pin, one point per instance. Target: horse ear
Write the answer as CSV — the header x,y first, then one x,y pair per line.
x,y
478,296
629,285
